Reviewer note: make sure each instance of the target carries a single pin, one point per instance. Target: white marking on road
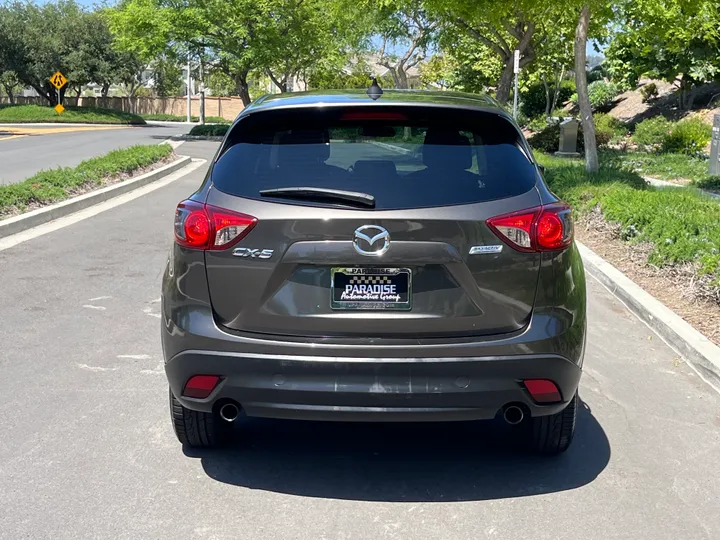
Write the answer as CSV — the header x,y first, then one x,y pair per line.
x,y
135,356
100,308
172,143
99,298
52,226
149,311
95,368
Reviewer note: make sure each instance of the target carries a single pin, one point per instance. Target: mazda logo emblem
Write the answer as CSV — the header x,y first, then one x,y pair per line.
x,y
371,240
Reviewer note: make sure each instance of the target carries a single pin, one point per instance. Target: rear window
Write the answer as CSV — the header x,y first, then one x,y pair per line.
x,y
404,157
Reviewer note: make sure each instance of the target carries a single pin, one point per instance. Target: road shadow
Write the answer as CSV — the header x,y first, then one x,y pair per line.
x,y
469,461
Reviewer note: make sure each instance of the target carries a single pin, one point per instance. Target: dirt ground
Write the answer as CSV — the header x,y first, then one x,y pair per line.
x,y
630,108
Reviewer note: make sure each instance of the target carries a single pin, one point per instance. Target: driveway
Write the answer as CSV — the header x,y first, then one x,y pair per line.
x,y
87,450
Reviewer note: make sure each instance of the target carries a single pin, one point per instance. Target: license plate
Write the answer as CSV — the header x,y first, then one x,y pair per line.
x,y
370,288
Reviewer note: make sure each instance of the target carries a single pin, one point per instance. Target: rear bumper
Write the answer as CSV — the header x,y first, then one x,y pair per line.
x,y
372,389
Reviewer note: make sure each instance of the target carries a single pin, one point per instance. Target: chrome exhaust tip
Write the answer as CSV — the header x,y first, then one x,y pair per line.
x,y
229,412
513,415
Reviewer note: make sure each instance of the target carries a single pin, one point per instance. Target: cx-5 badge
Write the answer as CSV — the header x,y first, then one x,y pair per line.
x,y
374,237
253,253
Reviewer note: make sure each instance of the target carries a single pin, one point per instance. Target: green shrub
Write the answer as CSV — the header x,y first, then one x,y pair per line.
x,y
608,129
521,119
533,100
651,133
210,130
709,182
548,140
538,123
54,185
689,136
649,92
601,94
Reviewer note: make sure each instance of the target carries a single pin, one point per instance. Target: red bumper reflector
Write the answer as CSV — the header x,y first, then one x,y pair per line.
x,y
200,386
543,391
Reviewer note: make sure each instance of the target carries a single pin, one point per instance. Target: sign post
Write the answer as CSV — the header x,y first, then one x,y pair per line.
x,y
715,148
516,70
58,80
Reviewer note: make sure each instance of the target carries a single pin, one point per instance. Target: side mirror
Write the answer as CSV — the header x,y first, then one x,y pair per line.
x,y
541,168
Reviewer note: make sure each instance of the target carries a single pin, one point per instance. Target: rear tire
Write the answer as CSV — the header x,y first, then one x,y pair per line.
x,y
195,428
552,435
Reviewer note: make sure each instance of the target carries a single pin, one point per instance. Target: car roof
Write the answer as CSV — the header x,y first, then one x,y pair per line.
x,y
331,98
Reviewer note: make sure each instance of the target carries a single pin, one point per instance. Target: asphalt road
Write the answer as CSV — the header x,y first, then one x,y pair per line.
x,y
87,450
21,157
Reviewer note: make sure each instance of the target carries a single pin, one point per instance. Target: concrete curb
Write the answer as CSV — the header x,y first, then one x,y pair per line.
x,y
697,350
37,217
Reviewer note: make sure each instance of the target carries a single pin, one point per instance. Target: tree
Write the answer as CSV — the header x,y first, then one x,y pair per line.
x,y
466,65
404,24
586,117
302,36
10,83
240,36
167,76
36,41
501,27
554,60
675,40
331,76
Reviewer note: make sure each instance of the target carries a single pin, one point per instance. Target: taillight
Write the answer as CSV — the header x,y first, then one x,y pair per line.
x,y
543,391
200,386
202,226
543,228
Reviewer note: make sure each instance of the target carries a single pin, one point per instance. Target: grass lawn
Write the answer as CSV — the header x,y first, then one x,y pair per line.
x,y
661,166
25,114
177,118
681,224
54,185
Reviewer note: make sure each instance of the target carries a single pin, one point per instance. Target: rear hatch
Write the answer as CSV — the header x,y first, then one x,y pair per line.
x,y
372,221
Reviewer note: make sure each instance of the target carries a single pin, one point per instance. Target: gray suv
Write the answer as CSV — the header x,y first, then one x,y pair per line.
x,y
352,259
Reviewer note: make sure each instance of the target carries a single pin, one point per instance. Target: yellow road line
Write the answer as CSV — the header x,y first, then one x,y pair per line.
x,y
12,137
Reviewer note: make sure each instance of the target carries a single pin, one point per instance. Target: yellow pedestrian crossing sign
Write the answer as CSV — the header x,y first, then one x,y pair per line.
x,y
58,80
59,108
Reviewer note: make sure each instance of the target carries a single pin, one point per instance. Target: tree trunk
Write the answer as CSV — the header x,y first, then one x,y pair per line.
x,y
105,91
588,125
402,81
394,74
502,94
9,90
548,101
556,95
687,93
242,87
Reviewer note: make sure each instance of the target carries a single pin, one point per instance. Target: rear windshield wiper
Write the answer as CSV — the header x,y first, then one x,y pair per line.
x,y
321,194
